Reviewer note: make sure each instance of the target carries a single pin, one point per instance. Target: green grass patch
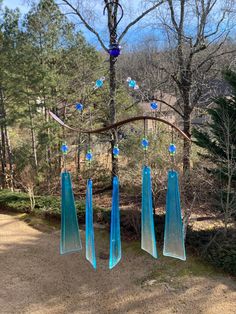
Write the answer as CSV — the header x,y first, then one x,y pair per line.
x,y
47,206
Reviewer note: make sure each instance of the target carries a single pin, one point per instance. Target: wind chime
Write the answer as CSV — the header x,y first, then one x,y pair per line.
x,y
174,231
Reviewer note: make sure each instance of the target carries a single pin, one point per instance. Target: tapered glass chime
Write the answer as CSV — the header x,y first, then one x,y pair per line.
x,y
89,229
174,232
115,241
70,235
148,238
90,246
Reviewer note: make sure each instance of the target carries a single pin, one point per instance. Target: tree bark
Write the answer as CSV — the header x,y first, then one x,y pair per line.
x,y
3,158
114,139
112,24
33,140
187,144
48,152
3,142
10,158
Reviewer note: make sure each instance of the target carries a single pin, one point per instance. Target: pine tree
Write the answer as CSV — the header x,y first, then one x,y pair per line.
x,y
218,138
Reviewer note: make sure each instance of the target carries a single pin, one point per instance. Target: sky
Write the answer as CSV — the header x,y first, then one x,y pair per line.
x,y
130,8
12,4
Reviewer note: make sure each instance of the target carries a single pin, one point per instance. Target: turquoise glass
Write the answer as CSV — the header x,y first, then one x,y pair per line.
x,y
90,246
148,238
70,235
174,231
115,242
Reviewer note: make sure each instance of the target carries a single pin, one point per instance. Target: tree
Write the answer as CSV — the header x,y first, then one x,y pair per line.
x,y
218,138
60,63
9,42
45,64
196,34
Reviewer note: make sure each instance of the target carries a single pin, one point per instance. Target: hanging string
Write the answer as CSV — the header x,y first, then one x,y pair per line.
x,y
172,155
89,156
64,147
64,162
144,135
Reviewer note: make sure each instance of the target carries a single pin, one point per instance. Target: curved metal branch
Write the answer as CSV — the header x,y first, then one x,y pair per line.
x,y
120,123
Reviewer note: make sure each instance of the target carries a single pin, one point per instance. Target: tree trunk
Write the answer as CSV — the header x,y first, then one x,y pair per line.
x,y
33,141
3,142
187,149
3,159
113,87
10,158
48,153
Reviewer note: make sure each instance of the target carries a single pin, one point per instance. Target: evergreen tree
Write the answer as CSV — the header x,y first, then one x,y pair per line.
x,y
9,49
218,138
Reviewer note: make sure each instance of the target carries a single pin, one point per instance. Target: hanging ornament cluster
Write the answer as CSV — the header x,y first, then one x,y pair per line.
x,y
132,83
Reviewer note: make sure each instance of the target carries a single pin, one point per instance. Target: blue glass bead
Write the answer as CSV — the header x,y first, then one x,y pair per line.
x,y
115,52
79,107
154,105
172,149
99,83
89,156
116,151
145,143
64,149
132,84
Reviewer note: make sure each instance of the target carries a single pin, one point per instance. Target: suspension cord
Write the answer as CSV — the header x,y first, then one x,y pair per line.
x,y
172,155
145,134
89,150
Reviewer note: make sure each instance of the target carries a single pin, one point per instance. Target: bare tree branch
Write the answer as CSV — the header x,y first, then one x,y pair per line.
x,y
138,19
86,24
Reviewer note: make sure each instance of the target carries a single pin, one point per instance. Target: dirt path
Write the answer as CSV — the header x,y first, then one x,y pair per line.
x,y
36,279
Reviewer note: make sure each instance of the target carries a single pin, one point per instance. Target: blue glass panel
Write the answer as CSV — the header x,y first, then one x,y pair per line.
x,y
70,235
90,247
148,240
174,232
115,243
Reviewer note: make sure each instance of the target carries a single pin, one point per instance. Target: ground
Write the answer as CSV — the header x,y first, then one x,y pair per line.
x,y
36,279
